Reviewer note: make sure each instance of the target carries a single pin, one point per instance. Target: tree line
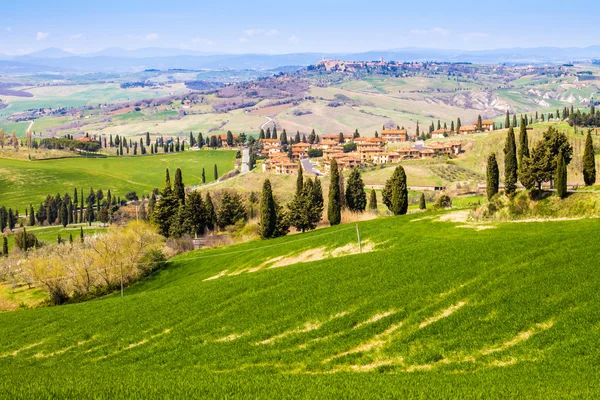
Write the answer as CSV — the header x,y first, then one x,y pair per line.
x,y
177,212
547,161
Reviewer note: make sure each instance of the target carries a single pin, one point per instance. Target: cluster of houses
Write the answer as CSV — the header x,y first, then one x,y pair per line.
x,y
386,149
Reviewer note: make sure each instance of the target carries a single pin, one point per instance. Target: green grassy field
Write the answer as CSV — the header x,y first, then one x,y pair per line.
x,y
50,233
435,310
23,182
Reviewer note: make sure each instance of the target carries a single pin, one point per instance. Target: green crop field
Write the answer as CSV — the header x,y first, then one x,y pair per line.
x,y
23,182
431,309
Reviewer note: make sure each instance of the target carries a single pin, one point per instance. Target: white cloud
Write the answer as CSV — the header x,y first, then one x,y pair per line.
x,y
475,35
294,39
432,31
77,36
265,32
202,41
243,40
9,29
41,35
253,32
152,36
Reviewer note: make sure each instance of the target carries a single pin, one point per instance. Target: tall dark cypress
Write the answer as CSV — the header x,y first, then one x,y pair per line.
x,y
523,143
299,181
493,176
31,216
589,161
356,197
510,163
178,187
560,179
268,212
216,173
507,120
395,192
334,209
373,200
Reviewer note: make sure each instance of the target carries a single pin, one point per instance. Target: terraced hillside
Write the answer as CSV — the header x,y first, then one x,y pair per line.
x,y
431,308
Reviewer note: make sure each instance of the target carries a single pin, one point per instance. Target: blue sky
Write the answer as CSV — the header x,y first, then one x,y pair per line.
x,y
235,26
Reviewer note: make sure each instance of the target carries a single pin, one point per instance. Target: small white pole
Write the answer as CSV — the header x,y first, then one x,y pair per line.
x,y
358,235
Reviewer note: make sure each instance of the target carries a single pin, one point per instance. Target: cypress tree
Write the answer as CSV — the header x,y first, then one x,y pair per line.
x,y
395,192
195,214
71,238
493,176
342,192
178,187
560,179
510,163
458,125
81,208
356,197
422,203
373,200
64,214
216,173
5,246
211,215
523,143
203,176
507,120
81,234
514,121
479,123
589,161
31,216
299,181
334,209
268,214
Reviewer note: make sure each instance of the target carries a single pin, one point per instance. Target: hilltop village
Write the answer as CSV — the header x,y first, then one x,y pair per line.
x,y
351,150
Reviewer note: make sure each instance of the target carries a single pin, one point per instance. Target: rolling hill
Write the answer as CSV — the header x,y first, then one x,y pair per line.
x,y
432,308
119,174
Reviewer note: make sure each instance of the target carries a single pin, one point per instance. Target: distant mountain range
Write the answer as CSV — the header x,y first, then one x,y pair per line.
x,y
121,60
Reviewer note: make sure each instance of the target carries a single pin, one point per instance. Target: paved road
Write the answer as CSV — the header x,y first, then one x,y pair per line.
x,y
30,125
266,123
245,160
307,166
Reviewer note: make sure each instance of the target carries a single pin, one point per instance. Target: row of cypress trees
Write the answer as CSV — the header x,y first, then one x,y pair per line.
x,y
547,162
305,211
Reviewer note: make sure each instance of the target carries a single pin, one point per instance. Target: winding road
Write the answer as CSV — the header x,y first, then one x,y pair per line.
x,y
266,123
245,160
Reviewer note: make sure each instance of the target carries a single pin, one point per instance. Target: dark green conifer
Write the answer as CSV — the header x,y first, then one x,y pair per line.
x,y
560,179
395,192
510,163
589,161
334,209
356,197
493,176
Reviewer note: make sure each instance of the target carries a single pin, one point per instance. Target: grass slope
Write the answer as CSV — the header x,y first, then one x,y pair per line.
x,y
436,310
119,174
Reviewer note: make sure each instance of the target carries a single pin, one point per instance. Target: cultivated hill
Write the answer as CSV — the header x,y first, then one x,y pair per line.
x,y
431,308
